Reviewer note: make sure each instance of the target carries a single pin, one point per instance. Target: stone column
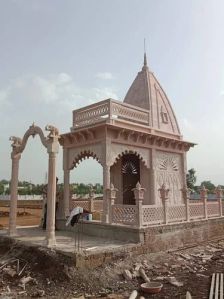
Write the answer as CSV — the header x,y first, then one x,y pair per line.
x,y
139,196
186,195
164,192
204,197
14,193
153,192
219,195
66,195
111,195
91,199
106,185
52,149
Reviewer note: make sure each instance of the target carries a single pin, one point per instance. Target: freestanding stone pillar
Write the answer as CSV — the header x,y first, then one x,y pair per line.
x,y
52,149
14,193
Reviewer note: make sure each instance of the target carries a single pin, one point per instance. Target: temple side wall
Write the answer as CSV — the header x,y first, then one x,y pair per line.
x,y
154,239
157,238
174,236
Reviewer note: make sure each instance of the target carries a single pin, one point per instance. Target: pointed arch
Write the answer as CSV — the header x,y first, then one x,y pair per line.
x,y
82,155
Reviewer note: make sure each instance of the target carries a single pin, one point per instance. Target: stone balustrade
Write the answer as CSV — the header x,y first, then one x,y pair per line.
x,y
140,215
109,111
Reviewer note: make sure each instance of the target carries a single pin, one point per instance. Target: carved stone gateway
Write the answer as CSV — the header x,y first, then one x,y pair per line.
x,y
18,145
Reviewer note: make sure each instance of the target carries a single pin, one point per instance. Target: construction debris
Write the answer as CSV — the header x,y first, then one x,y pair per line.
x,y
143,275
133,295
127,275
40,272
174,281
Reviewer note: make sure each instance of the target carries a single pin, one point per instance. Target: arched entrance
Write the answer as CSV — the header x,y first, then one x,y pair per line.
x,y
130,169
84,164
18,145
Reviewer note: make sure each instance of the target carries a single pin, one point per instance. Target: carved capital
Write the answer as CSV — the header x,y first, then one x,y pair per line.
x,y
219,192
186,193
112,192
16,141
203,192
164,192
53,131
139,192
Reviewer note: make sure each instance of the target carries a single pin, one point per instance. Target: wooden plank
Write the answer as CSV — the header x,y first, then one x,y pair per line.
x,y
221,286
217,286
212,286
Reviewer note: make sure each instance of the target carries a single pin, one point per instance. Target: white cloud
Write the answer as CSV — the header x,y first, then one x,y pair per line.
x,y
105,76
40,99
59,89
186,124
4,94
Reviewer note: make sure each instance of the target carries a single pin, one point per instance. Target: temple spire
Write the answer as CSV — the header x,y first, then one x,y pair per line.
x,y
145,60
145,66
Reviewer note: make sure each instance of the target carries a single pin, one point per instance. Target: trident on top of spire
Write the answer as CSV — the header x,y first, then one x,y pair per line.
x,y
145,66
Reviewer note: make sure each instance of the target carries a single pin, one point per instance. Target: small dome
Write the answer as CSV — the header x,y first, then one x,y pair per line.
x,y
146,92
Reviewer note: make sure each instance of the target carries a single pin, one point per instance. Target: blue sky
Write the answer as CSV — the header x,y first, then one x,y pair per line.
x,y
56,56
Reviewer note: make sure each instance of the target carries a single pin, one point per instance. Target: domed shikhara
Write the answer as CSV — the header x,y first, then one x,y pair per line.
x,y
146,92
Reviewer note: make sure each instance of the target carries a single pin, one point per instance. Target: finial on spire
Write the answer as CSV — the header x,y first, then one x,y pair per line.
x,y
145,58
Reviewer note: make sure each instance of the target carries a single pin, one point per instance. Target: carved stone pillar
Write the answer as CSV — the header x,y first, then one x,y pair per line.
x,y
204,197
91,199
164,194
51,190
106,185
219,195
66,197
186,195
14,193
111,194
153,177
139,196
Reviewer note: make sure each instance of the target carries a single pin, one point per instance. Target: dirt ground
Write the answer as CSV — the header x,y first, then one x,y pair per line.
x,y
25,216
34,272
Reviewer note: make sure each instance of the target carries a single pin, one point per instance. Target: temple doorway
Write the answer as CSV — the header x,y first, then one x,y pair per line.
x,y
130,176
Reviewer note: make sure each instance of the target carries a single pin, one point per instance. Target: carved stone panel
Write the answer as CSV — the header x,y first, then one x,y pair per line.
x,y
169,171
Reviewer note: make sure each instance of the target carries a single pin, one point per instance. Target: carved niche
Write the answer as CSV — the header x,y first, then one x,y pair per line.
x,y
169,172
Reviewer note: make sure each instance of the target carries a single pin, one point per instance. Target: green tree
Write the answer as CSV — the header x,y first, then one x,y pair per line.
x,y
191,178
